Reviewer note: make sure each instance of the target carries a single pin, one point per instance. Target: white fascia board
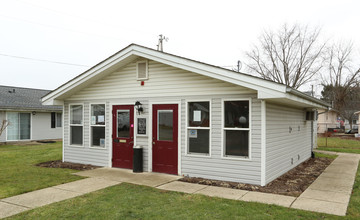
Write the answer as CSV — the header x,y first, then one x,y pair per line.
x,y
214,72
53,102
87,75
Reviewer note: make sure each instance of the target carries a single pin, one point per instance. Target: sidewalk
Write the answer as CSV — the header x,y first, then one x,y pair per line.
x,y
330,193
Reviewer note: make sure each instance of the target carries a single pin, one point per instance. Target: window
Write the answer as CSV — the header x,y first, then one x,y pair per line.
x,y
19,126
97,125
56,120
198,128
165,127
142,70
236,128
76,125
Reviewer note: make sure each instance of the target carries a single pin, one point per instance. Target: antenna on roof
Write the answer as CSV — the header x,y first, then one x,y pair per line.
x,y
160,44
239,65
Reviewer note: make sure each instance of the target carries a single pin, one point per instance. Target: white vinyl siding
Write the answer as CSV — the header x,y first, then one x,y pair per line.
x,y
41,128
216,167
164,81
285,150
169,84
85,154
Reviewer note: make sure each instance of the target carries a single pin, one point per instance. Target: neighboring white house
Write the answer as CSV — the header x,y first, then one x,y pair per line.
x,y
28,118
191,118
327,119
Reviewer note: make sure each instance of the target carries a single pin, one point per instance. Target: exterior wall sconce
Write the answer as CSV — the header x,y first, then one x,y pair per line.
x,y
34,113
138,107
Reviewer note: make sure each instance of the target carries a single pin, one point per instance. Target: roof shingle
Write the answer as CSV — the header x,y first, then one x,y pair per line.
x,y
24,98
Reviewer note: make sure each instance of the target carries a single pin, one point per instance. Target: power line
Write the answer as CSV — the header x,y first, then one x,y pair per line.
x,y
83,18
56,27
41,60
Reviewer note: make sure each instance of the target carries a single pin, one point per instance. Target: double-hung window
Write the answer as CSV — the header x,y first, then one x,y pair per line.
x,y
97,125
236,128
76,125
198,128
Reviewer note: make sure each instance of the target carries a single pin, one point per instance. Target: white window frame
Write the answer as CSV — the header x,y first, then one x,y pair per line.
x,y
146,72
187,127
79,125
231,157
91,125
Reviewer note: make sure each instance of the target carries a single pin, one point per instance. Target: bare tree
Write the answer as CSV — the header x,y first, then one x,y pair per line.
x,y
291,56
341,80
3,126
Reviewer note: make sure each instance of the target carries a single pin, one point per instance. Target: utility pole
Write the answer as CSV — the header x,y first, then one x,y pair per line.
x,y
312,90
160,43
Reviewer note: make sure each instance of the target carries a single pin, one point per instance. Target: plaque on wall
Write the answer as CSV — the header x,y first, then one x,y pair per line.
x,y
141,126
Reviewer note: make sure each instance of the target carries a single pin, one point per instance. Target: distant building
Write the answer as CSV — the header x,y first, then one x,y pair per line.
x,y
28,118
327,119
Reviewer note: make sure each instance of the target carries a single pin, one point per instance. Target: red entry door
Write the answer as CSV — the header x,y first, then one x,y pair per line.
x,y
123,136
165,138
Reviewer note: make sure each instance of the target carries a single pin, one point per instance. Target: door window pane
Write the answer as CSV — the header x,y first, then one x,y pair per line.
x,y
76,112
98,136
198,114
13,127
76,135
237,143
198,140
98,114
165,125
123,123
236,114
24,126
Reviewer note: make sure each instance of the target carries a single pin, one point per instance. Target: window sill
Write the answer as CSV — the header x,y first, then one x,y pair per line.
x,y
99,148
238,158
198,155
76,146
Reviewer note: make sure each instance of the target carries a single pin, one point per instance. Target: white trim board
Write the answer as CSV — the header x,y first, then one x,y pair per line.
x,y
266,89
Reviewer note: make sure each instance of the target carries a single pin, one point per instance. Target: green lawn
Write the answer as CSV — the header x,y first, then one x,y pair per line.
x,y
339,145
127,201
18,173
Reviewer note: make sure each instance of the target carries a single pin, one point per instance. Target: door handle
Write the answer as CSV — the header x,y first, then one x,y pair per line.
x,y
153,142
131,142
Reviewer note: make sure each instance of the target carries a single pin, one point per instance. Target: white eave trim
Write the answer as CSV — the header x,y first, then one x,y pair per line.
x,y
266,89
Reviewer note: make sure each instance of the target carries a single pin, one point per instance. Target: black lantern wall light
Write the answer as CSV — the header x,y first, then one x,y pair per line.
x,y
138,107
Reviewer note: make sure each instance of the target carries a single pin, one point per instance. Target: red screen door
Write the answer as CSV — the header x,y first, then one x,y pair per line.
x,y
123,136
165,138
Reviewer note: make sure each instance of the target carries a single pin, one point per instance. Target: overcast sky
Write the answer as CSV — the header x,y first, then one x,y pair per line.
x,y
86,32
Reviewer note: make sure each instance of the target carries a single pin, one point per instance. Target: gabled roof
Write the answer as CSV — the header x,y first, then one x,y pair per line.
x,y
267,90
17,98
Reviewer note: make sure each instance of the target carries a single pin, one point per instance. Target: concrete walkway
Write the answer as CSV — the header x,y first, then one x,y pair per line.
x,y
330,193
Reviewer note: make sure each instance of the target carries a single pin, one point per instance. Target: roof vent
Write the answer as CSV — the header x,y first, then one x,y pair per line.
x,y
142,70
12,91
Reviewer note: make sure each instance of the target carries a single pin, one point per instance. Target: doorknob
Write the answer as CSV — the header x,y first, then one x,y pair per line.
x,y
131,142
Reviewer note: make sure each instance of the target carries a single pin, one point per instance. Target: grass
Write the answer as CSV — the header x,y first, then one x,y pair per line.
x,y
18,173
128,201
331,156
339,145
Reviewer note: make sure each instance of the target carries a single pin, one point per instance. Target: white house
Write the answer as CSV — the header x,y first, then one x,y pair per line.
x,y
28,119
191,118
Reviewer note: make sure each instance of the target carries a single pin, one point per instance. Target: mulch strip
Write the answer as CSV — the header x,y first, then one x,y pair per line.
x,y
292,183
60,164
